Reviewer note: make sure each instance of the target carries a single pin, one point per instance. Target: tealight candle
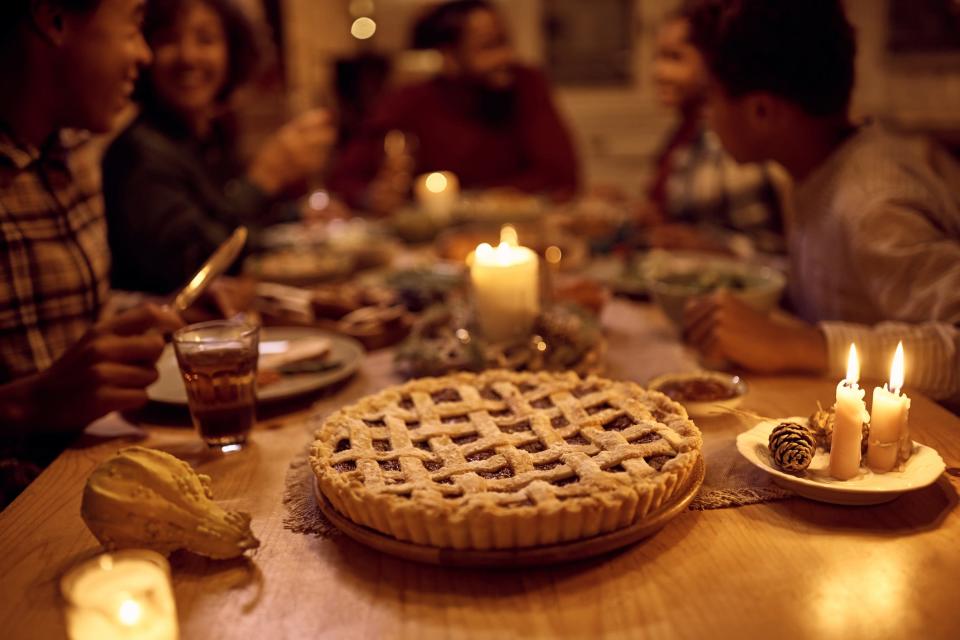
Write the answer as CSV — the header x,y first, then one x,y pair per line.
x,y
123,595
888,419
848,429
437,193
506,287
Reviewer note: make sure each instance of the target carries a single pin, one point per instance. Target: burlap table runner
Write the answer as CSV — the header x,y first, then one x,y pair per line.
x,y
731,481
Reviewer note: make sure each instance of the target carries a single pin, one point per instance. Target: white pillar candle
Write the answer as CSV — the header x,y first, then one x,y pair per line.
x,y
848,429
437,194
124,595
888,419
506,288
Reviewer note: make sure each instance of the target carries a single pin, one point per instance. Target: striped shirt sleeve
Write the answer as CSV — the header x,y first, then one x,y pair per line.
x,y
932,351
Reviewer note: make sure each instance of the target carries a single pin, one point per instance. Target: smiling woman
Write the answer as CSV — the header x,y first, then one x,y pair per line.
x,y
174,185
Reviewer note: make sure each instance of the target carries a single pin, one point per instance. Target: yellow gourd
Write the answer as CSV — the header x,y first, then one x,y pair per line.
x,y
150,499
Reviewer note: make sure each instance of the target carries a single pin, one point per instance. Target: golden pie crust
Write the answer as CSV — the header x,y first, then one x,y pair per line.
x,y
502,460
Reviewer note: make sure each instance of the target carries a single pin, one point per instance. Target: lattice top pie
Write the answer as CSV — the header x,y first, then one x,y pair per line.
x,y
504,459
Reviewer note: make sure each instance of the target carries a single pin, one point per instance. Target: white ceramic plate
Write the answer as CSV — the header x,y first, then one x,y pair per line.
x,y
169,387
922,469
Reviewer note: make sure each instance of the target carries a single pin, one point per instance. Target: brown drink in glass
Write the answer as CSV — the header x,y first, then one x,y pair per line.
x,y
218,362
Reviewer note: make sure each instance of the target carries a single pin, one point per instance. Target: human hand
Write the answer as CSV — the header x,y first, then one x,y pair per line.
x,y
298,150
108,370
721,326
224,298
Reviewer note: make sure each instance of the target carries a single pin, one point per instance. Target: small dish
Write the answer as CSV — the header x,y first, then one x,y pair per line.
x,y
729,389
921,470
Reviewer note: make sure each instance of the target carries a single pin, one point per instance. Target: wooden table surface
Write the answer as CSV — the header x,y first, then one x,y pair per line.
x,y
788,569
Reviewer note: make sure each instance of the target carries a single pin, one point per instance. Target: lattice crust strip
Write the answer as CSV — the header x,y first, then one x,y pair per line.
x,y
504,459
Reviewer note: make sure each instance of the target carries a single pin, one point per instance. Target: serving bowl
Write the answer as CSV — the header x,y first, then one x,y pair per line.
x,y
676,279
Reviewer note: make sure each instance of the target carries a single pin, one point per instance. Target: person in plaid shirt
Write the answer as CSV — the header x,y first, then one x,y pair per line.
x,y
698,193
64,65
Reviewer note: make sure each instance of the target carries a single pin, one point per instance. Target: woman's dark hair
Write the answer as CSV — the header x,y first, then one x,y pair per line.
x,y
442,26
801,50
242,53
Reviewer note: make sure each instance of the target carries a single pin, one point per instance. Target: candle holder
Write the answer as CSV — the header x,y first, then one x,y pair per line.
x,y
120,595
564,337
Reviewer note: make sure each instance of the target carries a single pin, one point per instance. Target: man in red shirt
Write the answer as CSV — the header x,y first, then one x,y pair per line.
x,y
486,118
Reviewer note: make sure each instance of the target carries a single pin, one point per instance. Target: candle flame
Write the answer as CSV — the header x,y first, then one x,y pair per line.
x,y
436,182
896,369
508,236
129,612
853,365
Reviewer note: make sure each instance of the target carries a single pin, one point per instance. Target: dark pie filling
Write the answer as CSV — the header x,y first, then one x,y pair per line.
x,y
523,425
562,482
577,439
533,447
545,466
342,445
382,445
505,472
657,462
467,439
413,424
346,465
581,391
616,469
379,422
446,395
489,393
542,403
406,402
621,422
525,386
559,421
454,419
390,465
432,465
480,455
500,413
423,444
597,408
652,436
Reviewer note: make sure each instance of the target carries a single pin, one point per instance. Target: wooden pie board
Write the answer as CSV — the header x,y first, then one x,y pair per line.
x,y
523,557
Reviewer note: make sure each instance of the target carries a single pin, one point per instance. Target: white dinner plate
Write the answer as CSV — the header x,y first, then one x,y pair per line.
x,y
922,469
169,387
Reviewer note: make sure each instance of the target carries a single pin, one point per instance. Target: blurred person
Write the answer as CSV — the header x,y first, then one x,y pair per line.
x,y
485,117
699,195
174,185
65,65
874,232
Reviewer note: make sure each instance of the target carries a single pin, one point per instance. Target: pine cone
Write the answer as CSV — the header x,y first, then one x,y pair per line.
x,y
821,424
792,446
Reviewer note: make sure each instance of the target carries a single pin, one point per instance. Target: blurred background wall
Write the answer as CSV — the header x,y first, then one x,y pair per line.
x,y
908,65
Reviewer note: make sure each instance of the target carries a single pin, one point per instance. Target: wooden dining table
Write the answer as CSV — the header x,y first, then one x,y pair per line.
x,y
792,568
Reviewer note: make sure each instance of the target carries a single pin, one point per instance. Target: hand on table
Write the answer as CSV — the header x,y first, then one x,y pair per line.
x,y
108,370
723,327
297,151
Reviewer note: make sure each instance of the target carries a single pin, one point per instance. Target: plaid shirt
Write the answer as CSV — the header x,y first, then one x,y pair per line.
x,y
54,258
698,183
